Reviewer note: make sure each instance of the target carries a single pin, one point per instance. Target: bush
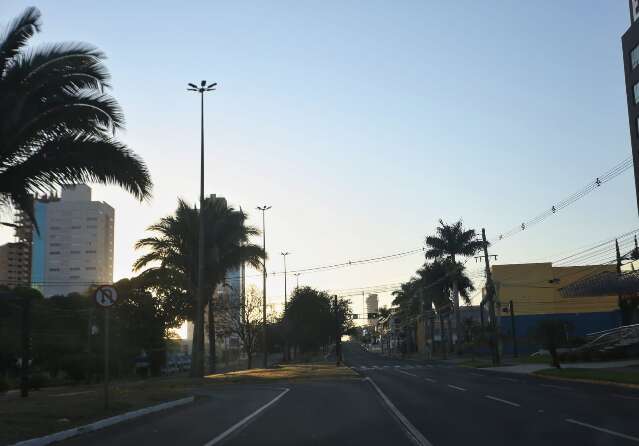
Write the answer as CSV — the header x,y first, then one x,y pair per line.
x,y
74,366
4,385
38,380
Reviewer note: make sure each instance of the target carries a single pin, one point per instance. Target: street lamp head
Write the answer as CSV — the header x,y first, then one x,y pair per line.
x,y
192,85
203,83
285,253
263,208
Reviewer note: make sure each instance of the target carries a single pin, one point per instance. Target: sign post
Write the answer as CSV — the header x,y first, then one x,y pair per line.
x,y
106,296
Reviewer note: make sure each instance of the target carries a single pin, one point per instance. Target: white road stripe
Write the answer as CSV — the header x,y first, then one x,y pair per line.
x,y
508,379
246,420
456,388
494,398
602,429
412,430
406,373
625,397
397,366
556,387
430,380
476,374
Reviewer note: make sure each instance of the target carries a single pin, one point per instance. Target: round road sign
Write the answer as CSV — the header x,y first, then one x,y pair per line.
x,y
105,296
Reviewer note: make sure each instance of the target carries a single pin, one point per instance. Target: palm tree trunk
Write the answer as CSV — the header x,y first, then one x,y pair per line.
x,y
442,335
460,334
450,333
212,352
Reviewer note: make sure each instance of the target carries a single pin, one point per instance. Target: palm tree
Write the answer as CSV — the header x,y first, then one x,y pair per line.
x,y
57,123
174,251
451,242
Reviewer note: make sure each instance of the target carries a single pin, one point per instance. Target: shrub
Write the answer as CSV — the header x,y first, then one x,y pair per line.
x,y
4,385
38,380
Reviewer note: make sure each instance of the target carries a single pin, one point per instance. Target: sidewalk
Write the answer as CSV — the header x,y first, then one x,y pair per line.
x,y
531,368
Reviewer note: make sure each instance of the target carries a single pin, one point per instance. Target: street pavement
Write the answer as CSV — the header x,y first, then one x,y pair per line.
x,y
451,405
392,402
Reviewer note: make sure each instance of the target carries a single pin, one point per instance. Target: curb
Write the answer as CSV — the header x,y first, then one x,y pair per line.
x,y
589,381
101,424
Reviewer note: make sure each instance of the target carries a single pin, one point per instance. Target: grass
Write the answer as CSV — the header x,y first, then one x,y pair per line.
x,y
284,372
603,375
53,410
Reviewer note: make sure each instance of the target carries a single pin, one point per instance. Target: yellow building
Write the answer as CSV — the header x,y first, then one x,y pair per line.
x,y
533,289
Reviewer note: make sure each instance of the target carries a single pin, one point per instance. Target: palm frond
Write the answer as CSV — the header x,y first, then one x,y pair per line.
x,y
19,31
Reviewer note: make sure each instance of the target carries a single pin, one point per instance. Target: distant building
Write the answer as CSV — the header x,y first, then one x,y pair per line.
x,y
630,47
534,290
74,247
15,257
372,303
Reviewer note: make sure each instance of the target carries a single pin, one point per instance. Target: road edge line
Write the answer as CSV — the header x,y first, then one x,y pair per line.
x,y
246,420
101,424
415,434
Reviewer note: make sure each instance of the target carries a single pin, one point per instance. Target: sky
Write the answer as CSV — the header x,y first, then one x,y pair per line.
x,y
362,123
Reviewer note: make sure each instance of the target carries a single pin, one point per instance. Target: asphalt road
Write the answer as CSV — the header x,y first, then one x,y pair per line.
x,y
393,402
452,405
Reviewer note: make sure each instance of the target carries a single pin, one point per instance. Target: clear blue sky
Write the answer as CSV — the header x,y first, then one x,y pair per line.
x,y
364,122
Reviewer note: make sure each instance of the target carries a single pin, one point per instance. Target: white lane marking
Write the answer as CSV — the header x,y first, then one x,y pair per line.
x,y
476,374
625,397
73,393
456,388
246,420
602,429
430,380
397,366
552,386
412,430
406,373
494,398
508,379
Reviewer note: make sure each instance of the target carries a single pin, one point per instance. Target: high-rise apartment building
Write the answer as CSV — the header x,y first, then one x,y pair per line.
x,y
372,303
74,247
630,46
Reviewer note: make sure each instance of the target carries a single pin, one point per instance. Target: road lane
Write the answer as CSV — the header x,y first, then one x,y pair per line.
x,y
532,414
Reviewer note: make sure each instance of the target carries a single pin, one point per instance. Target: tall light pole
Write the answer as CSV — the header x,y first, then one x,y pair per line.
x,y
297,280
284,254
264,343
197,360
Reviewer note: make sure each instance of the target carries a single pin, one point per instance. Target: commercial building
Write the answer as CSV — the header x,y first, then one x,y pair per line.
x,y
15,257
533,290
372,304
630,46
74,247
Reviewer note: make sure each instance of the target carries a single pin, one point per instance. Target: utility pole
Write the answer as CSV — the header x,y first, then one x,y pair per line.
x,y
490,295
512,323
338,343
197,368
26,346
284,254
264,343
106,357
286,354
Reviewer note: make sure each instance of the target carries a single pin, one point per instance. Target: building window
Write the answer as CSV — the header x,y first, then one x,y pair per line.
x,y
74,277
90,251
54,252
75,268
92,218
54,269
92,227
75,252
54,244
634,57
76,227
90,268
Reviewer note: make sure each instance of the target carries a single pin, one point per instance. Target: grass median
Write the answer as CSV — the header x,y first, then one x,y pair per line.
x,y
599,375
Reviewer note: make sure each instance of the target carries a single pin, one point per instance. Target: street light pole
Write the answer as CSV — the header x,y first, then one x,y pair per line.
x,y
264,343
297,280
197,365
284,254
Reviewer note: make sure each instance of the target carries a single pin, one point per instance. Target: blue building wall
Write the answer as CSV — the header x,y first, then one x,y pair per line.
x,y
578,325
38,249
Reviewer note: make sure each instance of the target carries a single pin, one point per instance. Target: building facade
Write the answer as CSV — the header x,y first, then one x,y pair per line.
x,y
73,250
630,47
372,303
15,266
534,291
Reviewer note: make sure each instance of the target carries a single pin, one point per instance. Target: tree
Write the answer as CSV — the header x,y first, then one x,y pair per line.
x,y
173,253
452,241
551,333
57,123
244,319
311,319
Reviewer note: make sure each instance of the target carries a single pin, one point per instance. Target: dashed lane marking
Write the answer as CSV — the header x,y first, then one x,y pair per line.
x,y
503,378
430,380
406,373
494,398
456,387
603,429
552,386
